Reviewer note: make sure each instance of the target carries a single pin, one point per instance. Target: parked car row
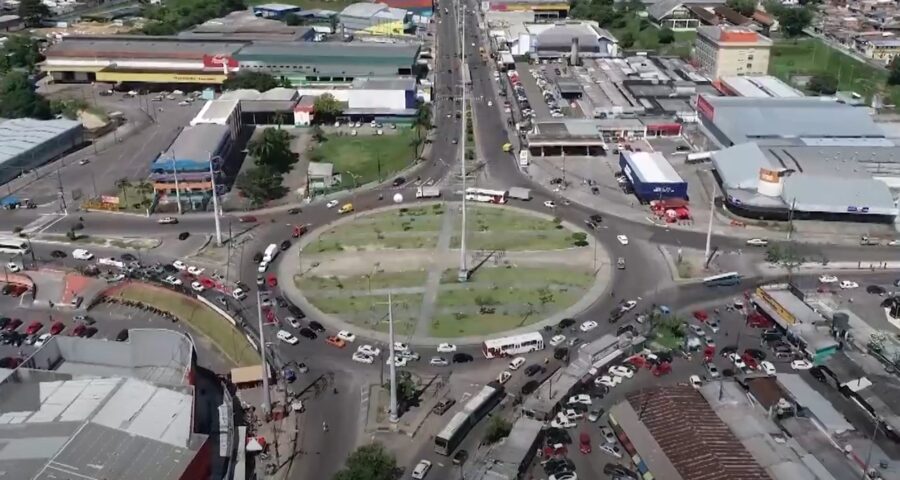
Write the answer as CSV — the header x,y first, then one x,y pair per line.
x,y
550,97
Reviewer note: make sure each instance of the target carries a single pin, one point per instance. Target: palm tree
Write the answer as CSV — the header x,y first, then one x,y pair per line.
x,y
421,120
122,184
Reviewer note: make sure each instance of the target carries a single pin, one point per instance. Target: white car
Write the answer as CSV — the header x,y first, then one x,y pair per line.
x,y
400,347
179,265
610,450
362,358
828,279
588,326
557,340
847,284
608,435
263,266
287,337
695,381
82,254
620,371
697,331
550,204
13,267
801,365
331,204
197,287
421,470
573,415
293,322
398,361
438,362
346,336
581,398
516,363
623,239
504,377
767,367
738,361
757,242
628,305
195,270
606,381
446,348
42,340
369,350
172,280
167,221
239,294
713,326
561,421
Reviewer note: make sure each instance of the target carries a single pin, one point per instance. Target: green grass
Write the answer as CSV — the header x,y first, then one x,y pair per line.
x,y
130,198
448,325
519,276
199,317
504,229
371,311
361,282
516,241
810,56
647,38
363,159
416,227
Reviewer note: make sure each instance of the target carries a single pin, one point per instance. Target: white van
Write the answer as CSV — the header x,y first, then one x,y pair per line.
x,y
270,253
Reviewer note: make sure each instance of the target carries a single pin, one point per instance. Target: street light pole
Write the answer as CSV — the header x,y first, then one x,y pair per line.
x,y
215,196
394,417
267,401
463,274
177,189
712,213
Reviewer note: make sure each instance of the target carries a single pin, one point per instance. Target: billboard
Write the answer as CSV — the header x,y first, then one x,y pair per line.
x,y
219,61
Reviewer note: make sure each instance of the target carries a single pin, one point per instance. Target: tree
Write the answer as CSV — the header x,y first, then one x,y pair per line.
x,y
254,80
744,7
21,52
273,148
326,108
369,462
18,98
498,429
786,256
260,184
627,40
825,84
794,20
318,134
33,12
122,184
894,71
665,36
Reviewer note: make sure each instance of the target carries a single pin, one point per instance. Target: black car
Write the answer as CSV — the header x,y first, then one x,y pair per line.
x,y
462,358
875,290
296,311
285,244
565,323
533,370
294,211
682,148
7,289
530,387
58,254
281,302
625,329
614,469
596,218
169,268
561,353
817,373
122,336
441,407
308,333
90,332
128,257
398,181
257,257
316,326
4,321
460,457
184,235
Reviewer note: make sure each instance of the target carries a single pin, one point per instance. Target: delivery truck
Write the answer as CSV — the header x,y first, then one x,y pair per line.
x,y
428,192
520,193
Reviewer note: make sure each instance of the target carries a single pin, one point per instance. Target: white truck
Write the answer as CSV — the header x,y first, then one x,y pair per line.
x,y
520,193
428,192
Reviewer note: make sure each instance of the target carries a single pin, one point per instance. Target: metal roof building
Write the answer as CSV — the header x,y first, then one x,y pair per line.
x,y
813,402
26,143
193,148
652,175
506,461
374,18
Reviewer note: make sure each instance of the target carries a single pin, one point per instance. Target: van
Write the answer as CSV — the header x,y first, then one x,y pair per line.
x,y
270,253
346,208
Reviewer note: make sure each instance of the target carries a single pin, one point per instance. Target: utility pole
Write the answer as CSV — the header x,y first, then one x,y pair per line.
x,y
215,196
712,213
394,417
177,189
791,219
267,400
62,194
463,275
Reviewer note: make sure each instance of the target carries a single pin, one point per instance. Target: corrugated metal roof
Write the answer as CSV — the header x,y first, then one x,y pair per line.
x,y
21,135
125,46
373,10
384,83
652,167
195,144
821,408
814,193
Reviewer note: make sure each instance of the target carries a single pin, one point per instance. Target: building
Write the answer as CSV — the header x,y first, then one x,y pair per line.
x,y
26,143
273,107
562,39
320,176
374,19
329,63
244,25
542,9
757,86
880,49
512,457
725,51
671,433
182,172
381,96
141,59
652,176
304,111
275,10
680,15
422,8
581,136
784,305
119,410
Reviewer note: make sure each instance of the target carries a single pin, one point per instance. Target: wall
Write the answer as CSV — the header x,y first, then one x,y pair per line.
x,y
742,61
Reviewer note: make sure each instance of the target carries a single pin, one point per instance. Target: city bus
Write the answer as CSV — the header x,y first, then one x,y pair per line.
x,y
14,246
474,410
485,195
723,280
513,345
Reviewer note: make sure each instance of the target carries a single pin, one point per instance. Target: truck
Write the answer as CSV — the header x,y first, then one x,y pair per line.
x,y
520,193
428,192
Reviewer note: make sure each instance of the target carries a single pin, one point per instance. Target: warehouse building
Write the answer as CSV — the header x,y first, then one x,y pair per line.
x,y
243,25
275,106
555,40
275,10
422,8
652,176
586,137
757,86
374,19
26,143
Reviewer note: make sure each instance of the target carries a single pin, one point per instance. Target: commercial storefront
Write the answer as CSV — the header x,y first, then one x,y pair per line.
x,y
154,77
784,305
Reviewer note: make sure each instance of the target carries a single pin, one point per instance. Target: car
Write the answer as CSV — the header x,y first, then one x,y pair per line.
x,y
293,322
247,219
167,221
560,353
58,254
797,364
504,377
272,281
584,443
308,333
82,254
42,339
462,358
441,407
287,337
446,348
362,358
608,435
369,350
90,332
695,381
847,285
331,204
621,371
195,270
398,181
618,471
562,421
606,381
876,290
516,363
588,326
316,326
623,239
627,305
33,328
460,457
533,369
713,326
557,340
400,347
346,336
179,265
396,361
712,370
335,341
581,398
122,335
828,279
757,242
438,362
197,287
172,280
421,469
767,367
79,330
550,204
57,328
13,324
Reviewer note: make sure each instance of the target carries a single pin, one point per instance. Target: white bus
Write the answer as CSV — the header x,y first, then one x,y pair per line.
x,y
15,246
485,195
474,410
270,253
723,280
514,345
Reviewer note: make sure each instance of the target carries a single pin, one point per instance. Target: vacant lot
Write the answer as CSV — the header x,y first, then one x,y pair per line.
x,y
363,159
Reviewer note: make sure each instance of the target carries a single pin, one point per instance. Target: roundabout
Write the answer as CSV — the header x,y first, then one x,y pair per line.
x,y
526,269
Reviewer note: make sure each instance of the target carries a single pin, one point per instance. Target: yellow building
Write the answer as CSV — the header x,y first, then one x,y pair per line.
x,y
730,51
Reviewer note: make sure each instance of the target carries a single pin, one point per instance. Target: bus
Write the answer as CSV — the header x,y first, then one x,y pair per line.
x,y
513,345
474,410
485,195
723,280
15,246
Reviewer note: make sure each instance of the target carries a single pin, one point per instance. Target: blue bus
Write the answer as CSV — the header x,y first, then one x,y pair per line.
x,y
723,280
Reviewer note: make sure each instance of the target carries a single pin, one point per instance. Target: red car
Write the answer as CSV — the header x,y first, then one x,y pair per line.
x,y
750,361
78,330
270,315
33,328
207,282
56,328
298,230
662,369
584,443
14,324
701,315
272,281
247,219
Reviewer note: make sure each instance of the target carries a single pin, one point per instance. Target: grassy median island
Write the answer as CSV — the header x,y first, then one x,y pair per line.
x,y
494,228
198,316
366,158
403,228
371,312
